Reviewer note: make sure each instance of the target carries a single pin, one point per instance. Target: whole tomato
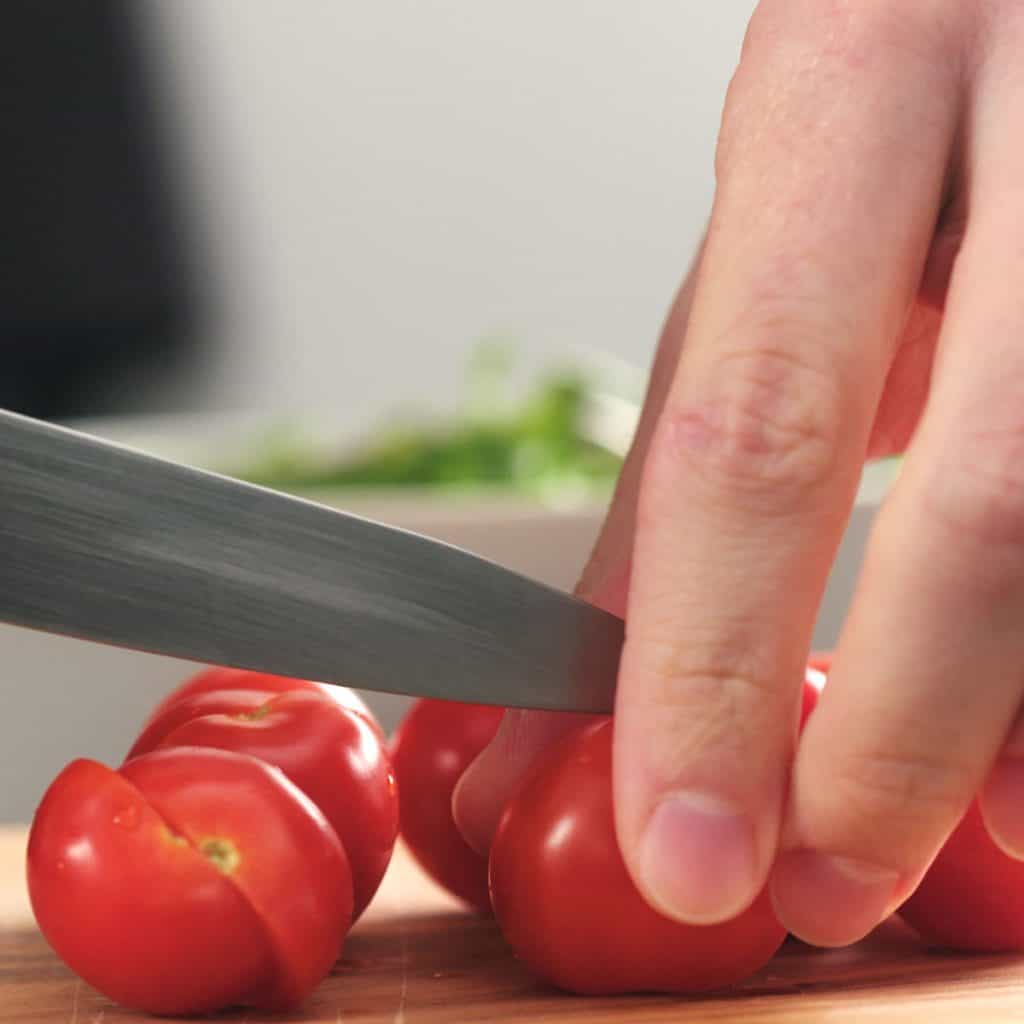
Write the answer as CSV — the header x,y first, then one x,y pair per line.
x,y
219,679
188,881
195,705
434,744
972,896
567,906
332,754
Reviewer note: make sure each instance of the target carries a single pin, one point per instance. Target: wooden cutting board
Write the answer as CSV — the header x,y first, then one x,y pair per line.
x,y
416,958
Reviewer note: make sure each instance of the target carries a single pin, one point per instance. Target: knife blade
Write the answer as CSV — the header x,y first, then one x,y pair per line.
x,y
108,544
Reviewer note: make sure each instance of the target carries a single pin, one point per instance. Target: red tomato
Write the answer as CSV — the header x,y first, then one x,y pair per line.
x,y
195,705
188,881
219,678
433,746
570,911
332,754
972,896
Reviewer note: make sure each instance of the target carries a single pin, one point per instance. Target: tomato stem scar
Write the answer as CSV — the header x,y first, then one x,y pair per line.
x,y
256,714
221,853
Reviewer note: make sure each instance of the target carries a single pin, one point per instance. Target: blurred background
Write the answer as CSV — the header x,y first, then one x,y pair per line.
x,y
247,233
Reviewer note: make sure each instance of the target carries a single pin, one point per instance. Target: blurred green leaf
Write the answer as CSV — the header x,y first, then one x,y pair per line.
x,y
534,446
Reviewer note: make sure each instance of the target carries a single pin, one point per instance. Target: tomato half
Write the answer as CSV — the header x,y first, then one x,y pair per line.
x,y
570,911
972,896
219,678
188,881
332,754
433,746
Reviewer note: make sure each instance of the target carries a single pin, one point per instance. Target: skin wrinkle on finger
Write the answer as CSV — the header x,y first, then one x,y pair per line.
x,y
914,787
759,448
759,432
738,714
838,51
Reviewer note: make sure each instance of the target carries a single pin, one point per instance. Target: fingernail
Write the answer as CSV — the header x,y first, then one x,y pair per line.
x,y
831,901
1002,806
697,861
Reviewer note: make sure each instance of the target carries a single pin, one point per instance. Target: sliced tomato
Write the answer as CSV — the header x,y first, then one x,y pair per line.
x,y
189,881
332,754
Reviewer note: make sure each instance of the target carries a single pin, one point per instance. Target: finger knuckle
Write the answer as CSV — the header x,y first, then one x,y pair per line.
x,y
767,424
917,789
715,713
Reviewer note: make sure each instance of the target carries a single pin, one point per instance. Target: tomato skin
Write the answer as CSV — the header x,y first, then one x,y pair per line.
x,y
332,754
972,896
121,891
299,881
195,705
570,911
221,678
433,746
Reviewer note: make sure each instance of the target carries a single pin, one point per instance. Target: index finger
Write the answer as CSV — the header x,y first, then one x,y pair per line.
x,y
831,167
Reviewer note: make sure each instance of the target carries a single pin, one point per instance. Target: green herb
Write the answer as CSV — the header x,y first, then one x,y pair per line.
x,y
536,445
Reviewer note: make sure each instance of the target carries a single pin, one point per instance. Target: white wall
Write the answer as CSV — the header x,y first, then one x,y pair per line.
x,y
385,182
382,182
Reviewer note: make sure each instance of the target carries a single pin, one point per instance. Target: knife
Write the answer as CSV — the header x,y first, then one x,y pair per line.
x,y
105,543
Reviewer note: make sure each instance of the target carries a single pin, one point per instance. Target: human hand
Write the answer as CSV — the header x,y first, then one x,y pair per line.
x,y
859,292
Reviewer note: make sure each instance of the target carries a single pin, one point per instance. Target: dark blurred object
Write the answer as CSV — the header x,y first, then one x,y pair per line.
x,y
96,286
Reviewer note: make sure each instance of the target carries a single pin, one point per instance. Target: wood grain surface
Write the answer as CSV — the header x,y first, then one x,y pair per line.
x,y
416,958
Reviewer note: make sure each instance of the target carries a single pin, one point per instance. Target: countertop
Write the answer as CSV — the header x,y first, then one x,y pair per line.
x,y
417,958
